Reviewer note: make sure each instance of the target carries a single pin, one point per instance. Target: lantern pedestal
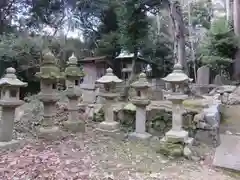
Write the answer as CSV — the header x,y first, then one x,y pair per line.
x,y
48,130
177,134
140,124
13,144
73,124
108,125
7,124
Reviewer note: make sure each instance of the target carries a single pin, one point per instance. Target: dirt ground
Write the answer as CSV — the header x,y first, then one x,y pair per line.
x,y
93,156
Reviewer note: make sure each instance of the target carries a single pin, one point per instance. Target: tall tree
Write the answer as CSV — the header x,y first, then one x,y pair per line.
x,y
176,13
236,20
133,27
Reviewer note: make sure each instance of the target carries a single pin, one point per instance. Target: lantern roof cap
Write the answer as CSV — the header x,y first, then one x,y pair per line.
x,y
72,70
177,75
141,82
72,60
109,77
10,79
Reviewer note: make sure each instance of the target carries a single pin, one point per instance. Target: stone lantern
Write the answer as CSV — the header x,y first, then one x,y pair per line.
x,y
73,74
141,101
49,75
109,81
177,79
9,101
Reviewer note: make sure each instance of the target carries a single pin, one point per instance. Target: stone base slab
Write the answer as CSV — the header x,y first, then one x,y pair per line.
x,y
74,126
176,136
143,136
50,133
108,126
10,144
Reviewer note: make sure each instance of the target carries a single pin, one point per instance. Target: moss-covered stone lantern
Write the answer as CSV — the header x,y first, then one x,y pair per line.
x,y
141,101
109,80
49,76
73,74
9,101
176,137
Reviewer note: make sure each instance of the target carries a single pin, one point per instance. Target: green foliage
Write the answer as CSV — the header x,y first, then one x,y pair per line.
x,y
108,44
99,116
200,13
21,50
24,52
219,47
133,24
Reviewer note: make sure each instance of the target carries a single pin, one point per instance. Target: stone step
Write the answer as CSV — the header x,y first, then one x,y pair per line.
x,y
227,153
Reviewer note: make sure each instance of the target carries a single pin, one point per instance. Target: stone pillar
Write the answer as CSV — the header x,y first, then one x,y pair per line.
x,y
89,93
9,101
177,133
109,80
73,74
49,75
141,101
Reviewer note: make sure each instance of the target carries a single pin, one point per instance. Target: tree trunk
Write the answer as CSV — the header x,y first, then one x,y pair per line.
x,y
236,20
179,29
130,79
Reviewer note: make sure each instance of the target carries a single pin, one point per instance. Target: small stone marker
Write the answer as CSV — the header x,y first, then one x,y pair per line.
x,y
203,74
218,80
227,154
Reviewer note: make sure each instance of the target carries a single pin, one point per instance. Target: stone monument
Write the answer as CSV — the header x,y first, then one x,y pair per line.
x,y
72,75
9,101
175,139
141,101
109,94
49,75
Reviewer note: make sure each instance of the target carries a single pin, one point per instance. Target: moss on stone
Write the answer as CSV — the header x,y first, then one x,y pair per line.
x,y
194,104
73,71
171,149
99,116
160,121
130,107
128,122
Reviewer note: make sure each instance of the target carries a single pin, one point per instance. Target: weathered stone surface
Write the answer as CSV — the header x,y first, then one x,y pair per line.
x,y
170,149
203,74
74,126
10,144
187,152
227,154
9,101
234,97
218,80
212,114
50,133
136,135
